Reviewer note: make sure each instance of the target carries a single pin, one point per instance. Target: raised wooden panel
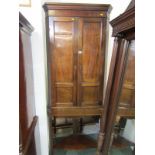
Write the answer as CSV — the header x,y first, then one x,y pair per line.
x,y
63,27
130,70
63,54
90,94
62,60
126,97
64,95
91,51
90,61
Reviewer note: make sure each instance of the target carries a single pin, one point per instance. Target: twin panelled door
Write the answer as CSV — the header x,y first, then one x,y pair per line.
x,y
77,57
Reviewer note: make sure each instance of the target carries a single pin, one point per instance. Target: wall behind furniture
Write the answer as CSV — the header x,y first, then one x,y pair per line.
x,y
35,15
129,131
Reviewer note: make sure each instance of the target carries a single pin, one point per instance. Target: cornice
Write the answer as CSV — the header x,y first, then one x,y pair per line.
x,y
24,24
77,6
124,22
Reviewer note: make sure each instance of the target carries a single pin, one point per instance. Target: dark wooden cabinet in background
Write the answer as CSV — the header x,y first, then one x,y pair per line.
x,y
76,44
27,118
120,90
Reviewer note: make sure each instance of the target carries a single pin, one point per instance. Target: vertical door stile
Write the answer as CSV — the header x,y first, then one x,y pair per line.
x,y
75,60
102,66
79,63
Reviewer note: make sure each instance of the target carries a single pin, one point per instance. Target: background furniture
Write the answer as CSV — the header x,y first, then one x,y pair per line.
x,y
76,46
27,118
119,99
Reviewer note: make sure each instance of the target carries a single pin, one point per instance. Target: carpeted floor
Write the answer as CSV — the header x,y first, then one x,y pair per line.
x,y
91,151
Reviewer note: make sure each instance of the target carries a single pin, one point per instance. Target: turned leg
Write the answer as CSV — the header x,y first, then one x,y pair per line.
x,y
76,126
81,125
54,125
100,143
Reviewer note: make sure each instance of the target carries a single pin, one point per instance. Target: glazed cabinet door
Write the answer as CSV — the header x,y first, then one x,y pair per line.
x,y
91,49
62,60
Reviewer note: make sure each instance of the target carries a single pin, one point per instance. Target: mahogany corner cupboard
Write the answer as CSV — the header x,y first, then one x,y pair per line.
x,y
76,44
76,48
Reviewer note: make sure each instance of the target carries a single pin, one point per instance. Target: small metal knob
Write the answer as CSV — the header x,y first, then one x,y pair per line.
x,y
79,52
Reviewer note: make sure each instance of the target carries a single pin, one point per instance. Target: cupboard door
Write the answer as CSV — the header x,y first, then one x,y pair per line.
x,y
90,61
62,57
127,97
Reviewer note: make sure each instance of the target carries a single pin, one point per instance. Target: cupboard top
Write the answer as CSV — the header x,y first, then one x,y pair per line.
x,y
124,22
72,6
24,24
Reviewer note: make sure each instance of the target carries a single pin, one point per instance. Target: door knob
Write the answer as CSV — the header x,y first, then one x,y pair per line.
x,y
79,52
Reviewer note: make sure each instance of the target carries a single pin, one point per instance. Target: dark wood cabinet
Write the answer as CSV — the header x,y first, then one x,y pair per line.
x,y
76,47
120,91
77,43
27,118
